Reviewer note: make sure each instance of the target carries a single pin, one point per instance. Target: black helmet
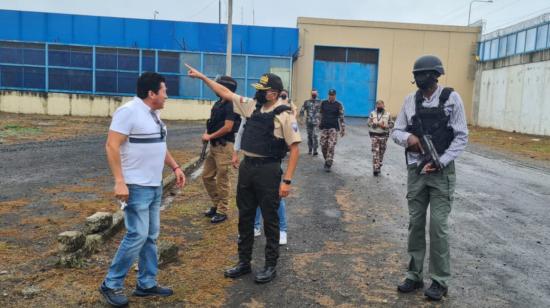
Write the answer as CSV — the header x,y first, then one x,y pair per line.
x,y
227,82
428,63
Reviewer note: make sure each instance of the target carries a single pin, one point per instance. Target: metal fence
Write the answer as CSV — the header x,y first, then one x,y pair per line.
x,y
532,39
48,67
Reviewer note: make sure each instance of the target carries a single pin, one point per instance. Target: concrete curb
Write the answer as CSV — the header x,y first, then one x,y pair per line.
x,y
77,257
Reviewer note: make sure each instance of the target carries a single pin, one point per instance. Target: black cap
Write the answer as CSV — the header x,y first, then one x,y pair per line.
x,y
331,92
227,82
269,81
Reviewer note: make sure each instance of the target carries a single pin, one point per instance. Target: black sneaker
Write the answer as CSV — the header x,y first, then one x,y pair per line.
x,y
309,152
211,212
376,173
315,153
154,291
410,285
436,291
218,218
115,297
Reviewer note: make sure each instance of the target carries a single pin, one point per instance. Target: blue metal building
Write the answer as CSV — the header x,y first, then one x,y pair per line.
x,y
104,55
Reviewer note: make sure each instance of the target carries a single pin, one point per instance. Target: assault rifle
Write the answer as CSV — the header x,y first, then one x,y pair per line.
x,y
428,154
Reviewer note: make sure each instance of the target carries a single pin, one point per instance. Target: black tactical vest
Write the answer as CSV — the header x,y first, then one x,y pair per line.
x,y
433,121
217,121
330,112
258,137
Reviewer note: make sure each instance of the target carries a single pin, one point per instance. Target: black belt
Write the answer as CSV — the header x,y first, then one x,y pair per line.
x,y
146,140
261,160
379,134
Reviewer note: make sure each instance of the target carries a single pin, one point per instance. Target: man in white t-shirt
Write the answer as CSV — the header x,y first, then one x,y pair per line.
x,y
137,153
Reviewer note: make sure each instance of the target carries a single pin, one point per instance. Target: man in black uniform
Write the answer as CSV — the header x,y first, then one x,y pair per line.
x,y
220,132
271,131
331,122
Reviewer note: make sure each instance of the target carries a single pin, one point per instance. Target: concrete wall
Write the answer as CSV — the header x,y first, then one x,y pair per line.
x,y
399,45
90,105
516,98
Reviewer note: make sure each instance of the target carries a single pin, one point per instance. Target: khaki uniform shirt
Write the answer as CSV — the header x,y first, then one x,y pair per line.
x,y
286,126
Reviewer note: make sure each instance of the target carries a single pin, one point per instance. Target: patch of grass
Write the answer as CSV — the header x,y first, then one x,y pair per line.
x,y
4,246
16,130
532,146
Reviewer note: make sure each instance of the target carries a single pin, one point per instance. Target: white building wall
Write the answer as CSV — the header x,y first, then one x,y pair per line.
x,y
89,105
516,98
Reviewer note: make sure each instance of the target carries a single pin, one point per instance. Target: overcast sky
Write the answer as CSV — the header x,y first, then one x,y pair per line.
x,y
283,13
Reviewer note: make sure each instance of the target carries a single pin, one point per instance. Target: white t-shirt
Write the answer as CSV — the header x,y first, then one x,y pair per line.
x,y
143,153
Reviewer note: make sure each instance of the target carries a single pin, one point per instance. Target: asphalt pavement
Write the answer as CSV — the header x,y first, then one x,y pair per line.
x,y
347,233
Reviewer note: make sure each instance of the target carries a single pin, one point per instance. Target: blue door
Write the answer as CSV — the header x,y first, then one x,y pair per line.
x,y
352,78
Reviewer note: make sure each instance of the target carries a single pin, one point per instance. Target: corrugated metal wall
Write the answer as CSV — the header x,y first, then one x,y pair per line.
x,y
141,33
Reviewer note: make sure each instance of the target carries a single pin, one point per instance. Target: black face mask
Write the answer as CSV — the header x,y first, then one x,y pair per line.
x,y
314,96
425,80
260,97
380,109
283,97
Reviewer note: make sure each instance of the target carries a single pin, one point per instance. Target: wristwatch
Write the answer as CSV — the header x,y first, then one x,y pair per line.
x,y
287,182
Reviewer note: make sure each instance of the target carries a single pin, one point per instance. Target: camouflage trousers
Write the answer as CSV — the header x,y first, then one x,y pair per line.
x,y
312,142
328,140
378,145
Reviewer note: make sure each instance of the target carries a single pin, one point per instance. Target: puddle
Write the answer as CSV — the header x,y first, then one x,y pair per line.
x,y
332,213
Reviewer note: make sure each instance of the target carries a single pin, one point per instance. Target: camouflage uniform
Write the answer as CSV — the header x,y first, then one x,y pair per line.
x,y
329,138
311,110
329,132
379,136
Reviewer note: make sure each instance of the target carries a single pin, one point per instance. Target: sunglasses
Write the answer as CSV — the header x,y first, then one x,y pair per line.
x,y
160,124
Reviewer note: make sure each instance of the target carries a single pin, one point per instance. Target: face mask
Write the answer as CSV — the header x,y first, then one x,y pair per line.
x,y
425,80
260,97
380,109
314,96
283,97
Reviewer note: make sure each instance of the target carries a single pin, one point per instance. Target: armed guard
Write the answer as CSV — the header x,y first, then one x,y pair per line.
x,y
310,109
270,132
379,123
331,121
220,132
436,114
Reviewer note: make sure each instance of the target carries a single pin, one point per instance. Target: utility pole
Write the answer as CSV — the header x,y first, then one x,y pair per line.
x,y
470,10
229,37
219,11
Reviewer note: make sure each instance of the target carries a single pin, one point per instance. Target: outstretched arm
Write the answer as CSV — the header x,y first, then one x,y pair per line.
x,y
222,91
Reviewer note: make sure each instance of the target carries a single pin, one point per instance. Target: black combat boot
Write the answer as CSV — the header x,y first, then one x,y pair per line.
x,y
410,285
242,268
265,276
436,291
219,217
211,212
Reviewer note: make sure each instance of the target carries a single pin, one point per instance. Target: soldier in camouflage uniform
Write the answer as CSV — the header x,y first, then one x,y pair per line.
x,y
379,124
331,115
311,109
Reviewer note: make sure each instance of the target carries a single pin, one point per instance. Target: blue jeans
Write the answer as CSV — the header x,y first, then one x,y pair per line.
x,y
282,217
142,220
